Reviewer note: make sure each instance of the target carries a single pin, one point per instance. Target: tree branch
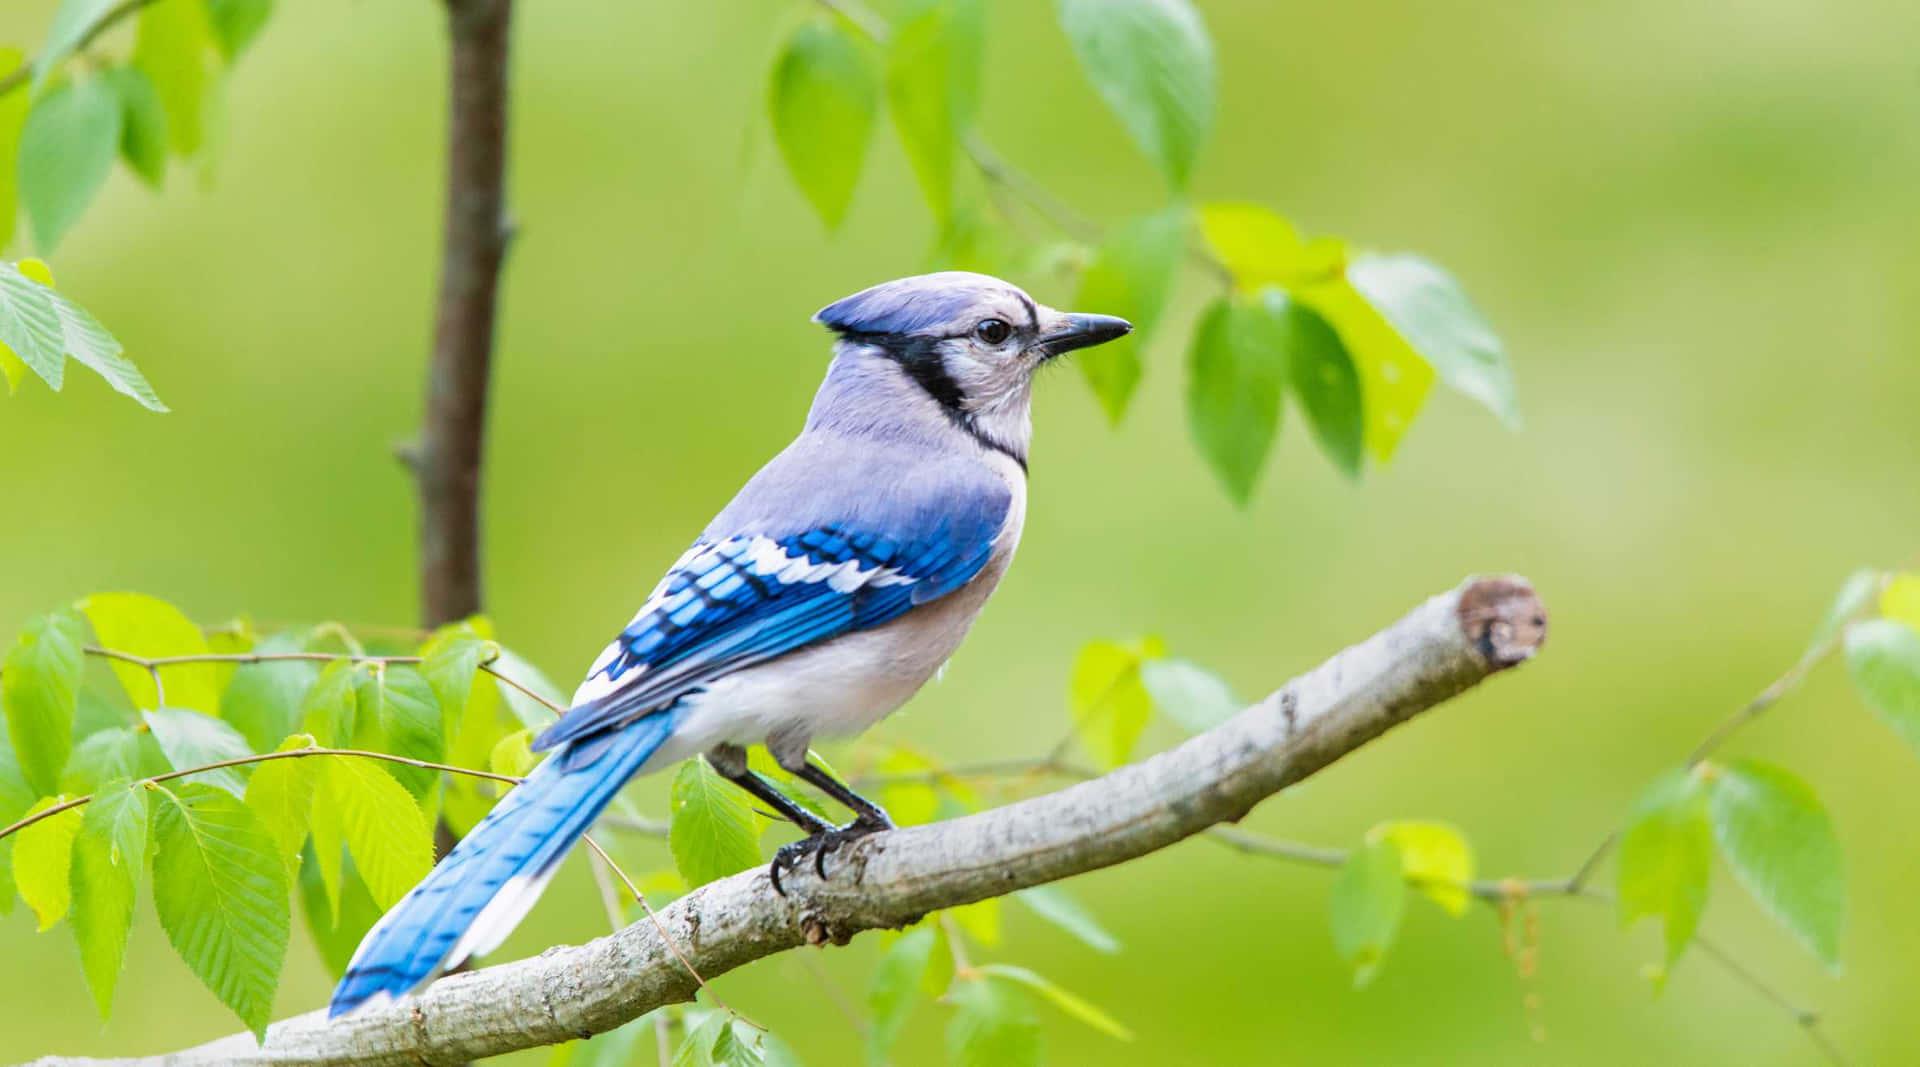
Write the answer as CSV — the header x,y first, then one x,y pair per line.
x,y
1440,649
447,458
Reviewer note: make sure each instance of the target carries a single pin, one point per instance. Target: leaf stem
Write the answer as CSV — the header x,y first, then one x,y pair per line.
x,y
23,73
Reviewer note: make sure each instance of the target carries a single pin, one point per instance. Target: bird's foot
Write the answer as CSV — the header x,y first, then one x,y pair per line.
x,y
789,857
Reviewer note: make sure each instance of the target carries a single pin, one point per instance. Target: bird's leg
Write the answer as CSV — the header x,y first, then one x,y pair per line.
x,y
868,817
731,763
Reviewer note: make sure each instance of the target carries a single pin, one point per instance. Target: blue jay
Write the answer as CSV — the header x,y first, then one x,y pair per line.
x,y
836,583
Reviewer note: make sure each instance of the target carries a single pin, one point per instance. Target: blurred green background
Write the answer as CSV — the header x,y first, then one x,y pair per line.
x,y
1694,225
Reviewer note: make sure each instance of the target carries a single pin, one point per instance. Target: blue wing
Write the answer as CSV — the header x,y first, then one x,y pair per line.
x,y
736,601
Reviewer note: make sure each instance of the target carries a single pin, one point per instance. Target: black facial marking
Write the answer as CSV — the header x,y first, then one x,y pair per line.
x,y
920,358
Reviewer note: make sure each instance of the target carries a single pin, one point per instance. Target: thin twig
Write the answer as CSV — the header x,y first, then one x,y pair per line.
x,y
23,73
263,757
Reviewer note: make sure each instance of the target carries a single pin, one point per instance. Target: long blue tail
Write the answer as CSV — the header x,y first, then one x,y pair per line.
x,y
469,903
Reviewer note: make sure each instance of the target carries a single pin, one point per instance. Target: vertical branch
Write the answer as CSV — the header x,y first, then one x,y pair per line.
x,y
447,459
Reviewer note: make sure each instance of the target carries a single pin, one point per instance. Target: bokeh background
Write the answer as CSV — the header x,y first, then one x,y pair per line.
x,y
1694,225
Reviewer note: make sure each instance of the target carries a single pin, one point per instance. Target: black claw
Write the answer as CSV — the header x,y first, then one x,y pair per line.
x,y
820,845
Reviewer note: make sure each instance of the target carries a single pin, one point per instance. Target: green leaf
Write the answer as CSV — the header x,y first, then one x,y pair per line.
x,y
896,983
1324,381
513,755
236,23
712,833
115,752
146,626
1434,858
99,351
108,857
1883,656
1055,905
73,20
1394,379
449,661
42,859
29,326
190,739
40,687
1074,1005
1257,246
1364,907
13,118
1237,365
1189,694
822,100
703,1034
980,920
403,705
171,47
1110,705
1427,308
992,1026
531,712
1152,63
1900,600
331,710
1131,275
362,806
1665,850
280,794
66,150
1782,847
933,91
336,936
220,888
263,700
143,123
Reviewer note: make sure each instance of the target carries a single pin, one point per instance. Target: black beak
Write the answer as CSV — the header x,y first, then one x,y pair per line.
x,y
1085,331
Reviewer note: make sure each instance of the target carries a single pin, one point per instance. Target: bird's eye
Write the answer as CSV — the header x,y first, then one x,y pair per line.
x,y
993,331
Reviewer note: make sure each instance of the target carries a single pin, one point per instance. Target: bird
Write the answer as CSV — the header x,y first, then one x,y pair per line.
x,y
836,583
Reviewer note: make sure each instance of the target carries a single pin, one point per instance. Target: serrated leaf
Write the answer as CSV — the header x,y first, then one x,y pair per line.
x,y
42,860
143,123
933,91
13,118
190,739
108,857
331,709
221,891
895,986
1072,1003
171,47
1364,907
449,660
281,793
73,20
992,1026
1883,657
147,626
389,837
1257,246
93,347
236,23
822,99
40,686
1434,858
1428,309
1781,846
336,936
712,833
1189,694
1900,600
115,752
66,150
1152,63
403,705
1665,850
1236,367
1110,706
1324,381
1394,379
264,700
703,1033
29,326
1130,275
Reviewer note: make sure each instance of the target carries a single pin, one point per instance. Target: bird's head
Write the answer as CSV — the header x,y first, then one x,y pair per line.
x,y
970,341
